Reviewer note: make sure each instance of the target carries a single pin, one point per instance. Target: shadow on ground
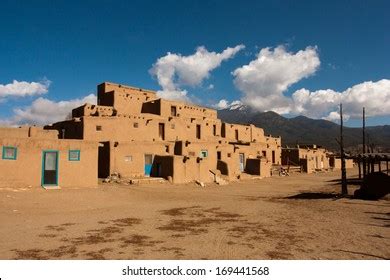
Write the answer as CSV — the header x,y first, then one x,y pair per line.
x,y
351,181
314,195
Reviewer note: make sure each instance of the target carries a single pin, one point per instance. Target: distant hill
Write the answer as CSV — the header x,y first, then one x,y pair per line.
x,y
304,130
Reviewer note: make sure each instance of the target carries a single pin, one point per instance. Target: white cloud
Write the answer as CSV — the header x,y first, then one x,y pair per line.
x,y
224,104
333,116
374,96
315,104
264,79
21,89
175,70
44,111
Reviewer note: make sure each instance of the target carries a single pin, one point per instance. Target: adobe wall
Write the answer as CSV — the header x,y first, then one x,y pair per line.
x,y
290,156
336,163
93,110
186,110
27,131
188,169
124,99
317,155
128,157
26,169
274,144
243,132
258,166
308,166
142,127
71,129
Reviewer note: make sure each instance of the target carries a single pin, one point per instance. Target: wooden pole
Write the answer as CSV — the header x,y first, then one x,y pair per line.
x,y
364,142
344,189
360,169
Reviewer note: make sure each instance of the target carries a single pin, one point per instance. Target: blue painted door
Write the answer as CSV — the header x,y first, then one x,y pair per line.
x,y
148,164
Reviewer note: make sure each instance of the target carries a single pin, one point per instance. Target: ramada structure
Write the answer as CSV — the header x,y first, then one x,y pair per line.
x,y
134,133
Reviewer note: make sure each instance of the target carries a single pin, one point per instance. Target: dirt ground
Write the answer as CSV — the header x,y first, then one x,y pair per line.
x,y
296,217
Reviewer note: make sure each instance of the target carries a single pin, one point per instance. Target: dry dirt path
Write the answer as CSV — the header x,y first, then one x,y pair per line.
x,y
293,217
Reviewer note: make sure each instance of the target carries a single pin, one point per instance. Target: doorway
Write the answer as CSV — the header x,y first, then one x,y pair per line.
x,y
50,168
104,160
242,162
198,131
148,164
161,131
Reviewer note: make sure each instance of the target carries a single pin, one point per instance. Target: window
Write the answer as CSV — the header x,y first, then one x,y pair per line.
x,y
198,131
218,155
236,134
9,153
204,153
135,125
214,130
98,128
161,131
128,158
223,130
74,155
173,111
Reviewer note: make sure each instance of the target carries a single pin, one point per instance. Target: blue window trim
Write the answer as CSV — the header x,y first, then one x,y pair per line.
x,y
11,158
43,168
204,153
78,155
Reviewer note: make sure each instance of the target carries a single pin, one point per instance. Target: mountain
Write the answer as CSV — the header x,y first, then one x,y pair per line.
x,y
305,130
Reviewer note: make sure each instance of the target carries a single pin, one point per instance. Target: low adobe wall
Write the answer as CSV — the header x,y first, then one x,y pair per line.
x,y
258,166
26,169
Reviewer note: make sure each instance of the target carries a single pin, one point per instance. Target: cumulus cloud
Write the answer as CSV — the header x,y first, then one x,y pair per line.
x,y
173,71
264,80
374,96
21,89
224,104
45,111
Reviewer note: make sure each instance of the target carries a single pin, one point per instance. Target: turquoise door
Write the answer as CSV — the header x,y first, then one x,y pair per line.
x,y
49,168
148,164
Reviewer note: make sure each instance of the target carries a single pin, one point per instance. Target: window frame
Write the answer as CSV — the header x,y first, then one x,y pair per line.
x,y
204,153
9,158
128,158
78,155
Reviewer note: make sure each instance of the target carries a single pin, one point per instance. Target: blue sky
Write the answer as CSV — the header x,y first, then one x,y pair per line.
x,y
79,44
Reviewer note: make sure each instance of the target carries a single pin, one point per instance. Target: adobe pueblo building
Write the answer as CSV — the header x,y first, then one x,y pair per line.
x,y
133,133
32,156
141,135
311,158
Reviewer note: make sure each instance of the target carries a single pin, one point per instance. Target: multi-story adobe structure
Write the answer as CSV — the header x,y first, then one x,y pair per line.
x,y
141,135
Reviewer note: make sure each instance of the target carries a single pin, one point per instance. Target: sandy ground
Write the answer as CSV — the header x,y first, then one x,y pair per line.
x,y
294,217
